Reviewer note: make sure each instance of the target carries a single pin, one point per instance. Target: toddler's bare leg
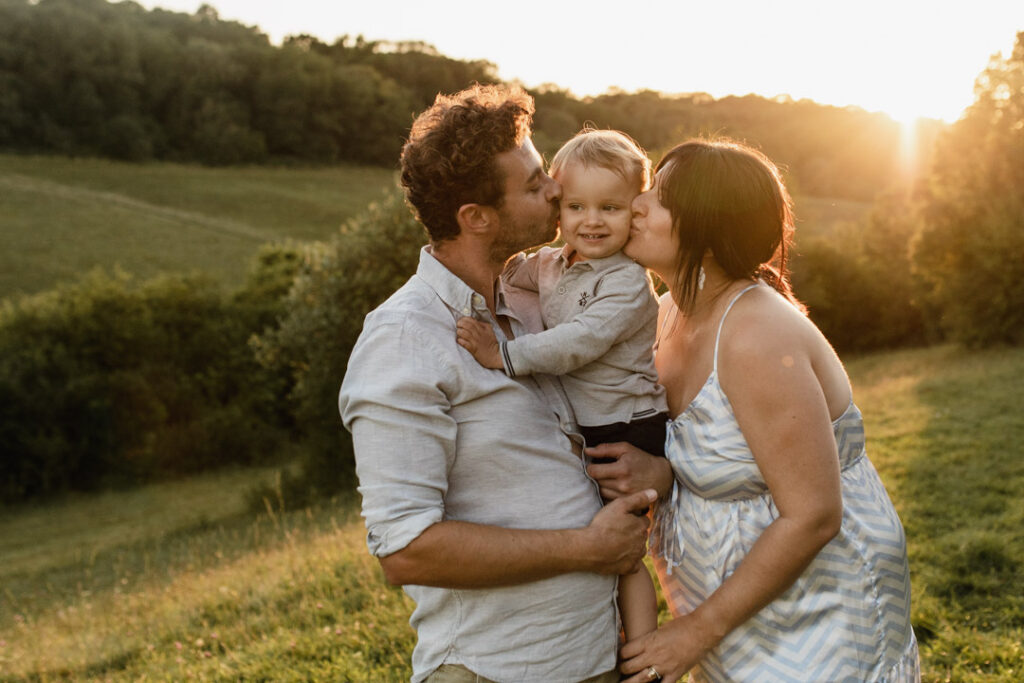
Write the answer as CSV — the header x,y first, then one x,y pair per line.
x,y
638,603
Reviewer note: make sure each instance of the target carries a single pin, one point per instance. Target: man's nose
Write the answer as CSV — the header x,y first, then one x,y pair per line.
x,y
554,190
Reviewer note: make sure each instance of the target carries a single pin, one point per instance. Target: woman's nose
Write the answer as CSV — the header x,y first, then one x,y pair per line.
x,y
637,204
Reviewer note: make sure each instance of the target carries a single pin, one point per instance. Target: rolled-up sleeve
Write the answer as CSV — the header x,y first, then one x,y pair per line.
x,y
402,433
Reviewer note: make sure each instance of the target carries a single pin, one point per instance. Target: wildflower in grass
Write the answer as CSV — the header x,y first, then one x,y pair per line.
x,y
178,645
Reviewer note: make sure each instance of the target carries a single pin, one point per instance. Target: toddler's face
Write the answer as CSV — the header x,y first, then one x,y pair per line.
x,y
595,209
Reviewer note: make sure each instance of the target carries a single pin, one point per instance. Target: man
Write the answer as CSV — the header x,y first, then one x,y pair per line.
x,y
474,491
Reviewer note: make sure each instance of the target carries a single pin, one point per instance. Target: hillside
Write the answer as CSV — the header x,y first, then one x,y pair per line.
x,y
178,580
60,217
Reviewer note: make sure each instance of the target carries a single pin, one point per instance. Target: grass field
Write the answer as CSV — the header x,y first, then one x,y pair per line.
x,y
61,217
178,581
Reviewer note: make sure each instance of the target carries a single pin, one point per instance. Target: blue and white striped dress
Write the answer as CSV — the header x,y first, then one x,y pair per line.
x,y
846,618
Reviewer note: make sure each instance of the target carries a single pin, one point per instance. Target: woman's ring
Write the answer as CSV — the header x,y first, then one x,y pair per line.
x,y
652,674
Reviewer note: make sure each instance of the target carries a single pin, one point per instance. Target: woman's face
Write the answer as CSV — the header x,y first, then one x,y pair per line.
x,y
651,243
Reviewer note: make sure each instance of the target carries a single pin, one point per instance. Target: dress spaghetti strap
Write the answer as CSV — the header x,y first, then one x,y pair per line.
x,y
721,322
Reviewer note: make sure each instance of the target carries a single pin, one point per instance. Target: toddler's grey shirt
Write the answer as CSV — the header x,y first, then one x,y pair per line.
x,y
601,317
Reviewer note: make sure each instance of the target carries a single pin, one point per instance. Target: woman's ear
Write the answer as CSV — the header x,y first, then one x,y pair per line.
x,y
475,219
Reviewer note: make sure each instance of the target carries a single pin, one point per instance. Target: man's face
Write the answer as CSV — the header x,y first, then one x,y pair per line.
x,y
529,210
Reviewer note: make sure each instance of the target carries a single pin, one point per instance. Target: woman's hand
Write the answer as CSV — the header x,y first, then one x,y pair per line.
x,y
672,650
632,470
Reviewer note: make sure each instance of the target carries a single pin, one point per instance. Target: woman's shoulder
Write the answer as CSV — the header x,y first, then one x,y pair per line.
x,y
762,322
767,343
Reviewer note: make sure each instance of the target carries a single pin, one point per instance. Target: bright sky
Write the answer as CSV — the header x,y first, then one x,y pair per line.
x,y
905,57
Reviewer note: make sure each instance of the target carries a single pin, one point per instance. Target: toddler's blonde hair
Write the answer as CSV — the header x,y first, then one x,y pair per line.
x,y
610,149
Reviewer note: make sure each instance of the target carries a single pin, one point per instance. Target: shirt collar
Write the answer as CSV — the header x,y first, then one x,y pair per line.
x,y
595,264
455,293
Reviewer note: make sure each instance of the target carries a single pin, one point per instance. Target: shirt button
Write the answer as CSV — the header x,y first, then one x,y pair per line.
x,y
466,311
478,300
561,290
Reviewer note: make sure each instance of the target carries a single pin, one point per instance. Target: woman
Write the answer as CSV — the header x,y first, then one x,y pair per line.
x,y
778,549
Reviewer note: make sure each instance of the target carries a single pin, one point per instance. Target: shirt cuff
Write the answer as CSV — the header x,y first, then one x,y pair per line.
x,y
388,539
506,362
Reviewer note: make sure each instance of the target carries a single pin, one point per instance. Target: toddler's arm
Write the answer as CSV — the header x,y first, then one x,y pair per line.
x,y
479,339
623,303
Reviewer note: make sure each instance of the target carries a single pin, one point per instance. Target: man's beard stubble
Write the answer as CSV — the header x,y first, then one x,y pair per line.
x,y
516,239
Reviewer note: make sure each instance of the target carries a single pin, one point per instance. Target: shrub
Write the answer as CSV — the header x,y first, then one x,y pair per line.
x,y
338,284
857,283
107,382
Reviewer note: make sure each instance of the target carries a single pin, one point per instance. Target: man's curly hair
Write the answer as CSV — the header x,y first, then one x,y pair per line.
x,y
449,159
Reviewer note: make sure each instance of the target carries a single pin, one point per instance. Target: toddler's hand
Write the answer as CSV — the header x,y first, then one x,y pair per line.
x,y
478,338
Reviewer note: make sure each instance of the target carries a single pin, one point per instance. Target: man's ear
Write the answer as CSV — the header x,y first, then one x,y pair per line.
x,y
475,219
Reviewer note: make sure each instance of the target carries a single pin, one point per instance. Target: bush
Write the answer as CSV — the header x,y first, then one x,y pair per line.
x,y
857,283
972,273
338,284
105,382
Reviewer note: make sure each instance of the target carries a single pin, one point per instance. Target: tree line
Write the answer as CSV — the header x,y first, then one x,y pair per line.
x,y
88,77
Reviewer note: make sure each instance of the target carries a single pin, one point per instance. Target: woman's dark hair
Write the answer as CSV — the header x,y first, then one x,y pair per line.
x,y
730,199
450,157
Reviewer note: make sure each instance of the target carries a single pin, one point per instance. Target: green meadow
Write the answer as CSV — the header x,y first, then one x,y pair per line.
x,y
193,579
60,217
182,580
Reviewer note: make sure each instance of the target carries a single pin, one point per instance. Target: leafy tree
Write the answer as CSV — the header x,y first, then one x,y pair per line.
x,y
970,253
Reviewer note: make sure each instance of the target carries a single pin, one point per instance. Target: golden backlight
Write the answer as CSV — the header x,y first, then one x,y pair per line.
x,y
907,58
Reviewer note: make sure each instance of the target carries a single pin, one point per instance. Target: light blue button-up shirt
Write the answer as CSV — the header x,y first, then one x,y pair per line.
x,y
439,437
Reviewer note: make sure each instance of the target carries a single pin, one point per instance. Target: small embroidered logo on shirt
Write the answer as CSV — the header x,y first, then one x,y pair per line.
x,y
583,299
